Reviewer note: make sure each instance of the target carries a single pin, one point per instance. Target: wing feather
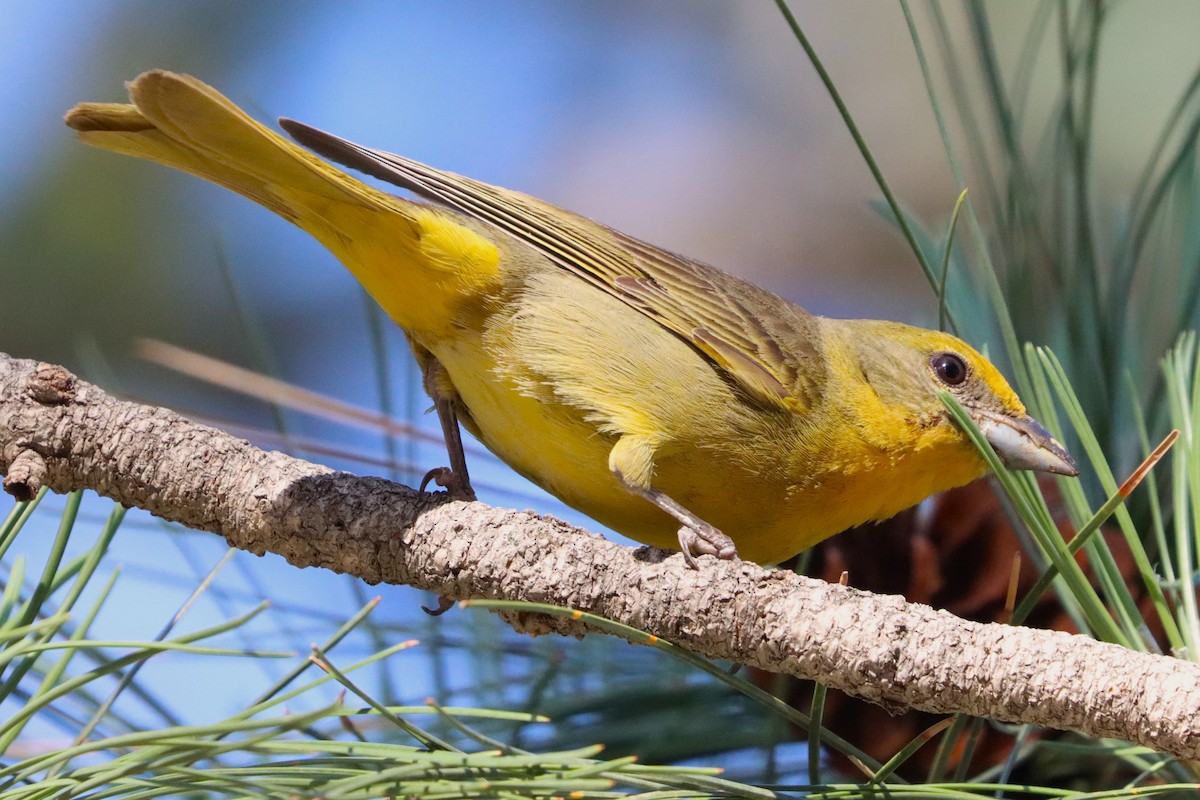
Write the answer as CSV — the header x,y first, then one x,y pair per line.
x,y
770,347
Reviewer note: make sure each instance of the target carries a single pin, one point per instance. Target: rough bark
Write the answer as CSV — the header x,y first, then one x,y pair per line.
x,y
60,432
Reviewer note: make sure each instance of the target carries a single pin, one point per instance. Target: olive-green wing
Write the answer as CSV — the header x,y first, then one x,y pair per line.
x,y
768,346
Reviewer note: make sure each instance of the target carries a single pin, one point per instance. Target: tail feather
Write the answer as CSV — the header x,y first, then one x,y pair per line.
x,y
396,248
183,123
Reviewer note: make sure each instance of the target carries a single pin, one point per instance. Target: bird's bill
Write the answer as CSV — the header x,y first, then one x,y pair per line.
x,y
1022,443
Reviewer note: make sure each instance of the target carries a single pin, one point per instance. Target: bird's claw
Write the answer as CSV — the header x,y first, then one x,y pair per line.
x,y
444,605
449,480
704,540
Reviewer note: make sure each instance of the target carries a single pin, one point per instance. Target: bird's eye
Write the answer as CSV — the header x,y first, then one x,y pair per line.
x,y
950,368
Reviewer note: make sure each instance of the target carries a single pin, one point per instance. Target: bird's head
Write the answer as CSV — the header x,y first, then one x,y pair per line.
x,y
906,367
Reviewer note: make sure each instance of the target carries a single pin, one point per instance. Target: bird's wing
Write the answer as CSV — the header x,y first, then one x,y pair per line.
x,y
768,346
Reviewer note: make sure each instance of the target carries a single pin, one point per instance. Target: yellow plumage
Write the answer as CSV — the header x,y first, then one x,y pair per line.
x,y
670,401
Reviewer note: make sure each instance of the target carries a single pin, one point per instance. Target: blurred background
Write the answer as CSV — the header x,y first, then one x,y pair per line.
x,y
699,127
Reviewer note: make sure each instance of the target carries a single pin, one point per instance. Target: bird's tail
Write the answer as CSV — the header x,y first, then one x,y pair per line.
x,y
395,247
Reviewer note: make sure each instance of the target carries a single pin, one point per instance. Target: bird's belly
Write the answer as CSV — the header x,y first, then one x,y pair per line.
x,y
555,446
551,444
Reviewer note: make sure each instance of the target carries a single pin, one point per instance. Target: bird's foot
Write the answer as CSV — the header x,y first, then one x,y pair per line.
x,y
701,539
448,479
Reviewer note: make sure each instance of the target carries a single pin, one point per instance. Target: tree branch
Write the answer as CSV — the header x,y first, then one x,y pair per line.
x,y
60,432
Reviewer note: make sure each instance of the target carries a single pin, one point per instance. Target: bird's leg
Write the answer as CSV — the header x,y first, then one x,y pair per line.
x,y
455,478
696,537
632,462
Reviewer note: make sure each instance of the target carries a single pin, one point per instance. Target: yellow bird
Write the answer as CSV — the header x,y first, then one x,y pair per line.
x,y
670,401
